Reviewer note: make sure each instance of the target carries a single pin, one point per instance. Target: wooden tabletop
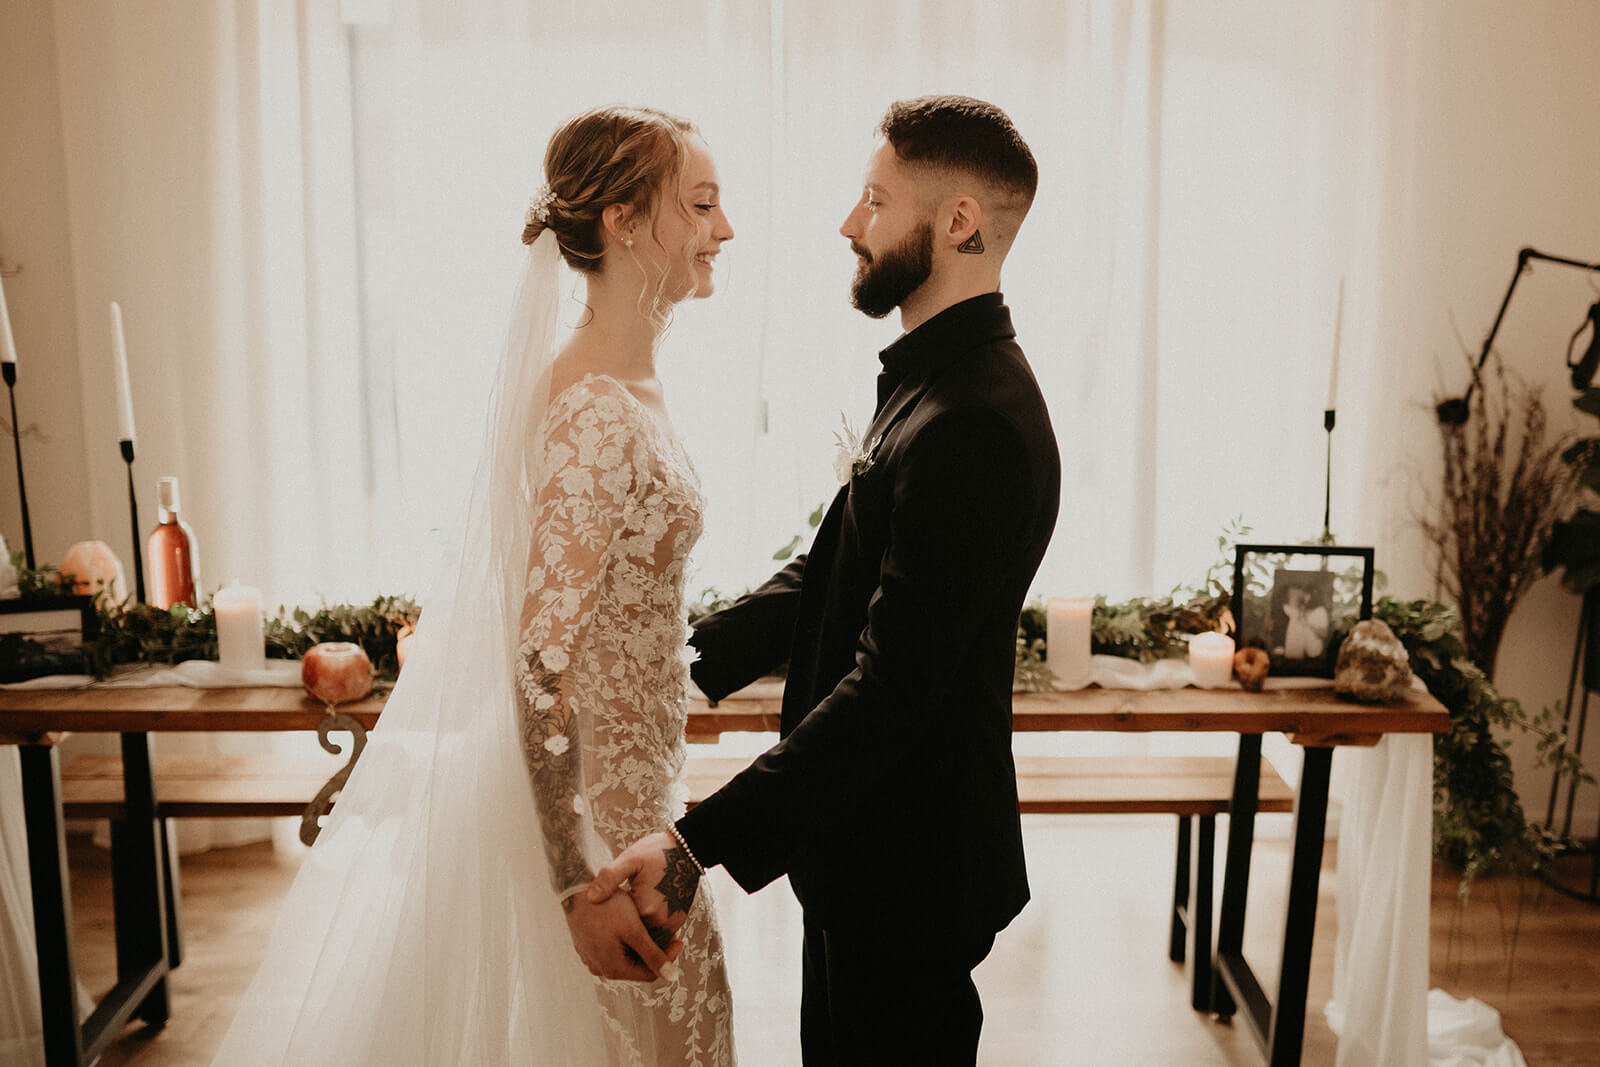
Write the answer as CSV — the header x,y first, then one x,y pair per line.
x,y
1313,715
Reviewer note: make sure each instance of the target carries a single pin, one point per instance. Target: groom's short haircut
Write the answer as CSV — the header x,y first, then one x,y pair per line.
x,y
970,137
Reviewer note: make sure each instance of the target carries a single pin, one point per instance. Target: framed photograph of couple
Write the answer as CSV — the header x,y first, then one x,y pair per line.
x,y
1298,601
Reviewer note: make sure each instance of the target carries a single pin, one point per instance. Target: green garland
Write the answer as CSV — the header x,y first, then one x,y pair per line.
x,y
1479,824
138,633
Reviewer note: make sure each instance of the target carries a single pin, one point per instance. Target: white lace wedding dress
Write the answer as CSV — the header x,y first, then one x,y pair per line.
x,y
423,928
601,677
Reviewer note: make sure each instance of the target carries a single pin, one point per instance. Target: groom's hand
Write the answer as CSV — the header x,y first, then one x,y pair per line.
x,y
613,942
663,879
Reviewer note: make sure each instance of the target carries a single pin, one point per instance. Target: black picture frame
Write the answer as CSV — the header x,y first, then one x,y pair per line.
x,y
44,635
1296,602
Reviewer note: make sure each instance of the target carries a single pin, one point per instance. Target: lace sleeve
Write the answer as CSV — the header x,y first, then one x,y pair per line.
x,y
586,485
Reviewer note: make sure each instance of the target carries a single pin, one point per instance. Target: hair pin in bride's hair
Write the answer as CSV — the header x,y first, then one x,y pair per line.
x,y
539,207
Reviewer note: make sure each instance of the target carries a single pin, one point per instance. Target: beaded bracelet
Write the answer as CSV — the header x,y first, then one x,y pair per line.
x,y
687,851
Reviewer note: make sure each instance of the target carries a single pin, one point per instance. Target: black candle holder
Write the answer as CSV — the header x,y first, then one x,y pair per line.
x,y
1327,537
9,372
133,520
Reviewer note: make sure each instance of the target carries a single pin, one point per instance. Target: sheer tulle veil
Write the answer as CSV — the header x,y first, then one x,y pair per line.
x,y
422,928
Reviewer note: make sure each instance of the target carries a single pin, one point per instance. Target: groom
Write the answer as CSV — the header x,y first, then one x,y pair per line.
x,y
891,800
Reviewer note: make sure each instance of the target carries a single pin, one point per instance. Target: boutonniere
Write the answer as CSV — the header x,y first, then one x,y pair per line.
x,y
854,458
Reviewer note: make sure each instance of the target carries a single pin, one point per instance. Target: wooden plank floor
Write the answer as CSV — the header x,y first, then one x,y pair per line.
x,y
1080,978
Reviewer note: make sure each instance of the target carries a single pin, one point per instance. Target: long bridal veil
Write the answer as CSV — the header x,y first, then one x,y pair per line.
x,y
422,928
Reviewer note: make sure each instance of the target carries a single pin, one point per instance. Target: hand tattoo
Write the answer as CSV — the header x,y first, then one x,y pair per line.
x,y
679,881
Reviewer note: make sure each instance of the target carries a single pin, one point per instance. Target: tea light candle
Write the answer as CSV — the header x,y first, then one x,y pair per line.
x,y
1211,659
241,642
1067,640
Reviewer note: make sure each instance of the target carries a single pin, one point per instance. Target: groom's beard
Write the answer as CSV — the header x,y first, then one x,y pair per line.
x,y
885,281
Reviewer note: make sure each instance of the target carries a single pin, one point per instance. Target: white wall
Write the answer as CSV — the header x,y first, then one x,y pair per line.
x,y
1497,147
34,232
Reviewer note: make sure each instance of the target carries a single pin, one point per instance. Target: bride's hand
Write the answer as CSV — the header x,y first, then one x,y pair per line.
x,y
613,942
663,877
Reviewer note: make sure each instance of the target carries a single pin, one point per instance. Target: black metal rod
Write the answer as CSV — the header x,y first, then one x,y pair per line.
x,y
1454,412
133,519
1327,480
9,370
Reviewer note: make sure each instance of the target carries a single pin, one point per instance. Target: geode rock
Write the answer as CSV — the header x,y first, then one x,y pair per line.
x,y
1373,665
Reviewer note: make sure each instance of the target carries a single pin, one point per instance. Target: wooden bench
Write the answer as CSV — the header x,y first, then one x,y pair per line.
x,y
196,785
200,785
1196,789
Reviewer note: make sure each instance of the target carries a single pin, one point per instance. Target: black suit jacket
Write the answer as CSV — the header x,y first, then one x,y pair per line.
x,y
892,796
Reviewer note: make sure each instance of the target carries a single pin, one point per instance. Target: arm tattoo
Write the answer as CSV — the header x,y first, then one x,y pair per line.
x,y
679,881
551,751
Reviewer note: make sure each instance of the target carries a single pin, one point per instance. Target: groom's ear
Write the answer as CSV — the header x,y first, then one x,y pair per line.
x,y
961,223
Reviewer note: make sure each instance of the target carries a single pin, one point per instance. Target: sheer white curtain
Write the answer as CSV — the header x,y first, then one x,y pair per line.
x,y
311,228
1175,285
209,155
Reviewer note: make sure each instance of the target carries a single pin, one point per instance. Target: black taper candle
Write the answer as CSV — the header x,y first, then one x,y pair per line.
x,y
133,520
9,371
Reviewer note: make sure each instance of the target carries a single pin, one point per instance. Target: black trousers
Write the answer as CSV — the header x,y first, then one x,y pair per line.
x,y
868,999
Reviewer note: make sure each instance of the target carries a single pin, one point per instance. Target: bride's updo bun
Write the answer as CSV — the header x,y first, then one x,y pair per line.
x,y
608,155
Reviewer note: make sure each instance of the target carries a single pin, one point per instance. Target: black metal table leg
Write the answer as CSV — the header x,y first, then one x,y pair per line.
x,y
169,875
1200,910
1182,918
1236,874
52,904
1278,1025
1287,1032
138,880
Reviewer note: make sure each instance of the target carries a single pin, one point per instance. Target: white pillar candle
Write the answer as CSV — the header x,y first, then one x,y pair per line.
x,y
1211,659
241,641
119,350
1069,622
8,345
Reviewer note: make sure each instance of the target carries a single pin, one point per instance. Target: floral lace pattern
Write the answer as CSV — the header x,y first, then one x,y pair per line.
x,y
602,678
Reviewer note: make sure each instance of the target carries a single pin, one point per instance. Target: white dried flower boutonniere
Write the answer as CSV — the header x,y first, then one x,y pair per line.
x,y
854,458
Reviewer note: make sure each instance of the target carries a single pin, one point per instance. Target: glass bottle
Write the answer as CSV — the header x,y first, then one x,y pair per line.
x,y
173,553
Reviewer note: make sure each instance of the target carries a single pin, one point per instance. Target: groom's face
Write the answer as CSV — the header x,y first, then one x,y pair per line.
x,y
891,235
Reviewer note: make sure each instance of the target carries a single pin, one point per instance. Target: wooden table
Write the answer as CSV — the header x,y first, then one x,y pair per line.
x,y
1313,717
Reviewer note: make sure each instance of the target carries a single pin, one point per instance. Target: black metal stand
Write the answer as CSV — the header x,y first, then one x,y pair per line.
x,y
9,372
1454,411
1584,679
133,519
1327,537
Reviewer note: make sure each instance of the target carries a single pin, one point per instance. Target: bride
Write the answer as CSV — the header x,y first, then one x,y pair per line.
x,y
539,725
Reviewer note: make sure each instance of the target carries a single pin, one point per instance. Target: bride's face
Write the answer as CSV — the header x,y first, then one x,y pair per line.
x,y
689,229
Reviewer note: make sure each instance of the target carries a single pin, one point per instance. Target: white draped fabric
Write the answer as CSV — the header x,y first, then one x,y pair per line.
x,y
1384,882
21,1040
